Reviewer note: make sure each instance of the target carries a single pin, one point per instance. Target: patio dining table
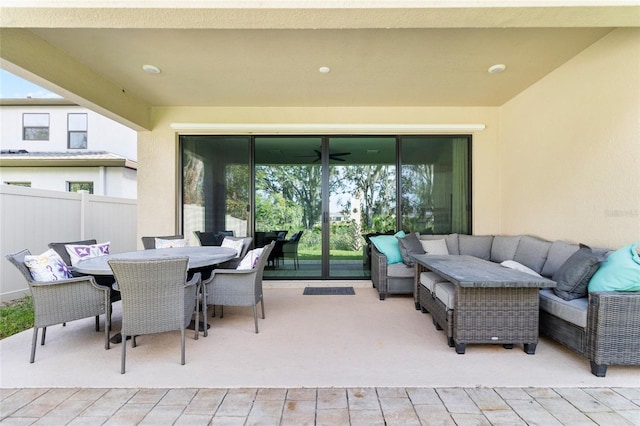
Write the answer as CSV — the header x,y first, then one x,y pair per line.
x,y
201,259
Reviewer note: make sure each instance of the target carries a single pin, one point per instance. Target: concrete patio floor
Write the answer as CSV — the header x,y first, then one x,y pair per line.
x,y
323,349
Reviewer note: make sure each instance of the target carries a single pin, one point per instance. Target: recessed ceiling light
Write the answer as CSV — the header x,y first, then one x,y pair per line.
x,y
324,70
151,69
497,68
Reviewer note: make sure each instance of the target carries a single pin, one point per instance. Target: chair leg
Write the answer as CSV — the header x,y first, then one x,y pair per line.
x,y
221,312
262,305
124,353
107,327
34,343
44,335
182,333
255,316
204,314
97,323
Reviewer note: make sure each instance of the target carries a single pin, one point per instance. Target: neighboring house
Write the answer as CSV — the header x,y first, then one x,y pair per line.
x,y
56,145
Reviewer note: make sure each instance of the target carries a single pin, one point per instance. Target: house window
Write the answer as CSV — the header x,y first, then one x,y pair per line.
x,y
77,131
25,184
80,186
35,127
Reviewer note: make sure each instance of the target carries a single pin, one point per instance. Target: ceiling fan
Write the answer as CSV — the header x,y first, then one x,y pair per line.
x,y
336,156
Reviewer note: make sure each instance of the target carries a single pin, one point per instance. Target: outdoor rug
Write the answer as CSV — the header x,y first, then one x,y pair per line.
x,y
323,291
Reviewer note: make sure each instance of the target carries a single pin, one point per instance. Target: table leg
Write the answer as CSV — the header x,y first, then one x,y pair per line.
x,y
530,348
460,348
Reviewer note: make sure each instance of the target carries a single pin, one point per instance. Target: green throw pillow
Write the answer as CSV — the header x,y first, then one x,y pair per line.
x,y
620,272
388,245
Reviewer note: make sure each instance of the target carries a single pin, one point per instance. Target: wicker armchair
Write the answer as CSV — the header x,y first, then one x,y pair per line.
x,y
232,287
233,263
156,297
106,281
62,301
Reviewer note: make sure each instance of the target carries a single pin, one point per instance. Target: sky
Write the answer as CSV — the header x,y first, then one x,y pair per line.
x,y
13,87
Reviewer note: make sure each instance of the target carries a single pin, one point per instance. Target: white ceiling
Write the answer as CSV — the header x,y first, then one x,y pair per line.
x,y
369,67
405,53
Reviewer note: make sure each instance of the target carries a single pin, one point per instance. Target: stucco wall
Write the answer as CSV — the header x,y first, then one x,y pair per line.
x,y
157,150
570,148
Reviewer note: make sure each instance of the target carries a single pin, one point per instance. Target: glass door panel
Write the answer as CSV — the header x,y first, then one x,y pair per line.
x,y
288,204
215,185
362,199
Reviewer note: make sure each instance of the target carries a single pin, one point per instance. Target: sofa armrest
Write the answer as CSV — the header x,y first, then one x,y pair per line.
x,y
613,329
379,270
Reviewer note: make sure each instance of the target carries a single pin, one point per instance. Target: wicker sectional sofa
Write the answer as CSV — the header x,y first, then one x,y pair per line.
x,y
604,326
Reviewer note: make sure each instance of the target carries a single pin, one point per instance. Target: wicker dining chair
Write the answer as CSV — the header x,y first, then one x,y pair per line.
x,y
156,297
150,242
62,301
106,281
233,287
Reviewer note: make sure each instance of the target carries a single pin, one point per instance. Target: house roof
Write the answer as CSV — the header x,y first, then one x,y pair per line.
x,y
23,158
268,53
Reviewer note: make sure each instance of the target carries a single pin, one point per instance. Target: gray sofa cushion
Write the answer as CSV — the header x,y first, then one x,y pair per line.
x,y
573,311
572,278
532,252
409,245
504,248
450,239
400,270
476,245
559,252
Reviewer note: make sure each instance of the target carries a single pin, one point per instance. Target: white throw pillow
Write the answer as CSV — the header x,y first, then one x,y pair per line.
x,y
160,243
232,243
512,264
78,252
250,260
437,247
47,266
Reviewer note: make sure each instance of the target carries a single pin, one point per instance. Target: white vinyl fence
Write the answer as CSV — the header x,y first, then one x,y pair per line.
x,y
32,218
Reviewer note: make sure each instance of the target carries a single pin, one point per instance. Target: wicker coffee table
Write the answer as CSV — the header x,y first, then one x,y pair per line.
x,y
493,304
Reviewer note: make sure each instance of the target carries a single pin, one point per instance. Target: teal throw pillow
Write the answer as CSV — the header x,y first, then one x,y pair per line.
x,y
388,245
619,272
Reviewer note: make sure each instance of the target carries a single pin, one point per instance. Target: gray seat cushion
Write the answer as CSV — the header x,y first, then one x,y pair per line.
x,y
446,293
429,280
573,311
400,270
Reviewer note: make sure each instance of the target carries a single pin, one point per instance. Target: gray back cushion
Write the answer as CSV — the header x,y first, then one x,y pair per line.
x,y
476,245
450,239
532,252
559,252
504,248
409,245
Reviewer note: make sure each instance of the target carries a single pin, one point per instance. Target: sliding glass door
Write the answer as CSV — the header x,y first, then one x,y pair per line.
x,y
288,204
362,198
318,197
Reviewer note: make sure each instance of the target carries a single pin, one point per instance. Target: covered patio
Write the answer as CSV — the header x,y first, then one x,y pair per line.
x,y
555,153
305,341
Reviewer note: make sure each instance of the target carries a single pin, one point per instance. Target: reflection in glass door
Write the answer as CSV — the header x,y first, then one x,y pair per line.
x,y
288,204
362,199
